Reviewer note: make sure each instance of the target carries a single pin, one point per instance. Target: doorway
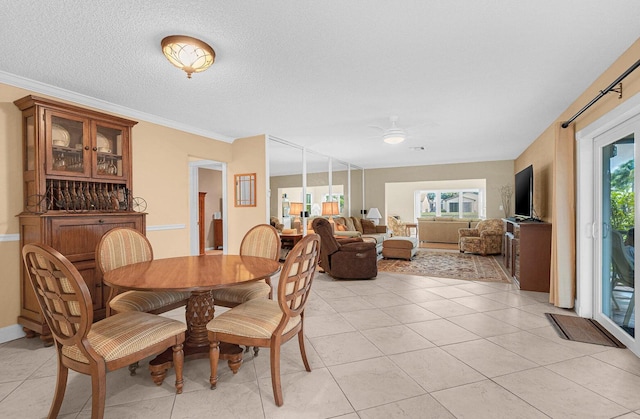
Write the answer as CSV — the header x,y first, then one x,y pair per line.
x,y
207,177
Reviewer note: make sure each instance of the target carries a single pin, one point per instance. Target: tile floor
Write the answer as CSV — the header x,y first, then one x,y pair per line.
x,y
398,346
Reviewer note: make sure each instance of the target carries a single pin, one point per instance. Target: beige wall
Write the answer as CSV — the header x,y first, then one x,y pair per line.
x,y
496,173
161,173
10,202
541,151
540,155
248,157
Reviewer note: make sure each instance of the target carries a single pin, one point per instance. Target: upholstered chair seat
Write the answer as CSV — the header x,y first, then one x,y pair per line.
x,y
485,239
242,293
148,301
121,336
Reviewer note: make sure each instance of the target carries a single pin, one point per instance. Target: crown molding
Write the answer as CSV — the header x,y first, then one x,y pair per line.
x,y
57,92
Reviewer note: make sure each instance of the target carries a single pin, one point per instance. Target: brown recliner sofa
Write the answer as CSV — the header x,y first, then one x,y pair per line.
x,y
348,258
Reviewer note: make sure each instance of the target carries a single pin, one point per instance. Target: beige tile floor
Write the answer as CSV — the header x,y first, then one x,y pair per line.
x,y
398,346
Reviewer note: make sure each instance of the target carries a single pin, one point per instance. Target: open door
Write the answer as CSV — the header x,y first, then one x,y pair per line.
x,y
207,202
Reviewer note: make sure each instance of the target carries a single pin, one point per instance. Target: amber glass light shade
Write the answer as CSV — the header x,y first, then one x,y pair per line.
x,y
189,54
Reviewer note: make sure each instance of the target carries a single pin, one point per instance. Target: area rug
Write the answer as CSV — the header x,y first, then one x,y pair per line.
x,y
584,330
447,265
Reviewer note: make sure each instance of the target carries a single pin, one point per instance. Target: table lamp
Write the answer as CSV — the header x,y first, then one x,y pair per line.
x,y
330,209
295,208
374,215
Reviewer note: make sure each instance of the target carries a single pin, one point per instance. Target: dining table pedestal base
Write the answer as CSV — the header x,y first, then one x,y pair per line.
x,y
199,311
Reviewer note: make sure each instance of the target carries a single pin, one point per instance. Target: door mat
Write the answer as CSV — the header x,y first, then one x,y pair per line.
x,y
584,330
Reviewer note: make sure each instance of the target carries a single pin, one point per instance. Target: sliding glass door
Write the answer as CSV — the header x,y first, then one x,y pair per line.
x,y
615,153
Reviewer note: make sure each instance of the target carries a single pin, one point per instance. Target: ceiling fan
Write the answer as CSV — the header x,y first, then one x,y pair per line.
x,y
393,134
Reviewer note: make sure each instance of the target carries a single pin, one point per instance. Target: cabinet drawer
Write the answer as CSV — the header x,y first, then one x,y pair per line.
x,y
77,237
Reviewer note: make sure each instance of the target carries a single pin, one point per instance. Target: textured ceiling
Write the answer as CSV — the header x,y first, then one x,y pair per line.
x,y
470,80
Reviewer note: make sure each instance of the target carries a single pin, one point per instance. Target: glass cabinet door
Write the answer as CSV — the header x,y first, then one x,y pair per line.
x,y
67,144
110,156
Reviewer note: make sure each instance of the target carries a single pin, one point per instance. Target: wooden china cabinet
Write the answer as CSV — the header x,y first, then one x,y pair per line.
x,y
77,186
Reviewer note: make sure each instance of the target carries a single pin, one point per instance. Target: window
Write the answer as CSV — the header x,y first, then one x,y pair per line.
x,y
308,203
465,203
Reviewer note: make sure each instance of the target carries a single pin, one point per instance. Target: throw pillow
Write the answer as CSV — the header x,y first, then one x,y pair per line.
x,y
349,224
341,227
368,227
357,224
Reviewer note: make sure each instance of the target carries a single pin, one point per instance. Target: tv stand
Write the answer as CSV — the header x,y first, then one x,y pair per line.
x,y
527,253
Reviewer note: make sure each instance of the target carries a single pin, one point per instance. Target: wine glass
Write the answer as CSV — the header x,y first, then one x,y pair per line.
x,y
112,169
60,162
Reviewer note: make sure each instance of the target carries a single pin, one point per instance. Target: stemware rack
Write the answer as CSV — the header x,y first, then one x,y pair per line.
x,y
81,196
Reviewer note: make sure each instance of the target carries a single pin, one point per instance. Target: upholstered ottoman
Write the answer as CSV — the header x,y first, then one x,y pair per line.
x,y
399,247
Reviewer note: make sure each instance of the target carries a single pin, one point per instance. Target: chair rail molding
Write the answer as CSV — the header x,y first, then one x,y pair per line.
x,y
9,237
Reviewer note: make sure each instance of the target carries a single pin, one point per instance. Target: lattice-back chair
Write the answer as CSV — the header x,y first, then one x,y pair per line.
x,y
93,348
124,246
623,272
268,323
262,241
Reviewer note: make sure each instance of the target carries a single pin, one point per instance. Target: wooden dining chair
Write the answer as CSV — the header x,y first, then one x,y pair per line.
x,y
93,348
262,241
270,323
123,246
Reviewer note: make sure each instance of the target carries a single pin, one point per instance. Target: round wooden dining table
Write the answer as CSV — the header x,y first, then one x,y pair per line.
x,y
199,275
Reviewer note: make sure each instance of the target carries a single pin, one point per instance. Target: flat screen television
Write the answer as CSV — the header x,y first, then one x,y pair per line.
x,y
524,193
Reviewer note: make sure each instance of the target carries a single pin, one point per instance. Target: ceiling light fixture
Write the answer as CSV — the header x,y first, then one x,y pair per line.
x,y
189,54
394,135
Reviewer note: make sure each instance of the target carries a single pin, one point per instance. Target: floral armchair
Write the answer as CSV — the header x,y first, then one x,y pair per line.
x,y
398,228
485,239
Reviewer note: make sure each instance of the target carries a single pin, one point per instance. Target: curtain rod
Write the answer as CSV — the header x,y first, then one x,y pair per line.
x,y
610,88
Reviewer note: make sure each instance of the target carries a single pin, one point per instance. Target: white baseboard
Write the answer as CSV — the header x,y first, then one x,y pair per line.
x,y
10,333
